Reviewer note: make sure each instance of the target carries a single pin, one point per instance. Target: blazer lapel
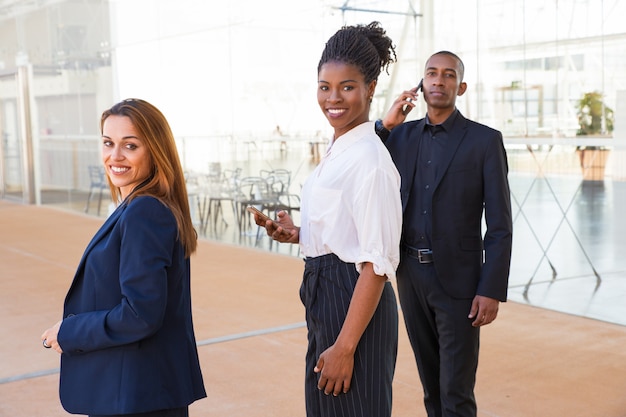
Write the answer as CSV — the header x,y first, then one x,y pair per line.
x,y
101,233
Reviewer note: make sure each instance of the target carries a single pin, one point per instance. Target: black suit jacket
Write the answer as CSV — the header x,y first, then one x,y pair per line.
x,y
473,180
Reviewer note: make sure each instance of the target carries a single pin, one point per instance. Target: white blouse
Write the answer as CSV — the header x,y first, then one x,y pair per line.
x,y
351,203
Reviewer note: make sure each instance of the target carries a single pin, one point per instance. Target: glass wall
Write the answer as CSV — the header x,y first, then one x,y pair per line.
x,y
532,61
228,75
60,48
536,70
237,81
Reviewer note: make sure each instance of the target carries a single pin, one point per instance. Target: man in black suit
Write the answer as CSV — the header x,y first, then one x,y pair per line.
x,y
451,278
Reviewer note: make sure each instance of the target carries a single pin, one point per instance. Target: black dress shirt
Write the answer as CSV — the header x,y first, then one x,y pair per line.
x,y
417,222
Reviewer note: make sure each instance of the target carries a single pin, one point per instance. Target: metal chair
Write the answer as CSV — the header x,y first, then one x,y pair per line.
x,y
279,175
220,189
98,183
252,191
281,198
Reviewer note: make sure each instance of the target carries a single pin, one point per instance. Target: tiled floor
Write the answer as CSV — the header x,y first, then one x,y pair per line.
x,y
252,340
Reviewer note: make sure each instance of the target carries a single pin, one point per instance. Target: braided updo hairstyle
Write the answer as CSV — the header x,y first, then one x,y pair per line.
x,y
365,46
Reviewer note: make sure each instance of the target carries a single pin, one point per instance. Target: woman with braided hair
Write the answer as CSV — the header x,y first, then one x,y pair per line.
x,y
350,236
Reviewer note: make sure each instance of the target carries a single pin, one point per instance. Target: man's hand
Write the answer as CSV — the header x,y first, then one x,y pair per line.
x,y
484,310
400,108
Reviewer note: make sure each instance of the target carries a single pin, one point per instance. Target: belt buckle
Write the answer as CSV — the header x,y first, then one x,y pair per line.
x,y
422,258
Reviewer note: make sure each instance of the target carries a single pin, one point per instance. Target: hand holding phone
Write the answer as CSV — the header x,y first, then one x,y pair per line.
x,y
406,108
289,235
264,218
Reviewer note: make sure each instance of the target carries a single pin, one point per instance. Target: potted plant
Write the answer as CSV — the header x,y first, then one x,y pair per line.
x,y
594,119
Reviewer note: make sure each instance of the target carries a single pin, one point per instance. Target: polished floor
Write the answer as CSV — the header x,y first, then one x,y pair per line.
x,y
249,325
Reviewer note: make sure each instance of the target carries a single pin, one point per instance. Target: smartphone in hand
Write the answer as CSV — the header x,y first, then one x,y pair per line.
x,y
406,108
259,213
264,218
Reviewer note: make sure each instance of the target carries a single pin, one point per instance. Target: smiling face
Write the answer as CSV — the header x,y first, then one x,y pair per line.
x,y
443,82
343,96
125,156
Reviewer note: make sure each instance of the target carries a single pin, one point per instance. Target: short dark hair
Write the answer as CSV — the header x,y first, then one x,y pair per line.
x,y
456,57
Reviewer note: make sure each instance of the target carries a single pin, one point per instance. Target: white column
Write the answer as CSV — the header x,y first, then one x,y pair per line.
x,y
25,117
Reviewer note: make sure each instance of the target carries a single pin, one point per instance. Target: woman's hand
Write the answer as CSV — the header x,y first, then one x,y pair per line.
x,y
335,366
282,229
49,337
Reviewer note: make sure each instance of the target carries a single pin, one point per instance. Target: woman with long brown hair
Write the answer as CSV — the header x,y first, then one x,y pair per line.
x,y
126,340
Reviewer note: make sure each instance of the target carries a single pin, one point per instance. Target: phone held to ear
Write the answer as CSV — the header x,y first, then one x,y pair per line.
x,y
406,108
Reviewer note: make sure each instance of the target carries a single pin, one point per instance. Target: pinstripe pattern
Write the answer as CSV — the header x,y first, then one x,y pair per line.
x,y
326,292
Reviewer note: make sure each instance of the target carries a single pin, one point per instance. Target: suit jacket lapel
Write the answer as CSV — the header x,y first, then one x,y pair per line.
x,y
410,158
455,137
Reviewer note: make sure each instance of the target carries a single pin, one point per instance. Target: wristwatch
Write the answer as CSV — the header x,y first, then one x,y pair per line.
x,y
381,130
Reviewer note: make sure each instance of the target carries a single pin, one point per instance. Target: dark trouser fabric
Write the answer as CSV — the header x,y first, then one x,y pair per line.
x,y
326,292
174,412
444,342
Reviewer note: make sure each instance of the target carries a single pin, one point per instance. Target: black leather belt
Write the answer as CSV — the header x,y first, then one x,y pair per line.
x,y
424,256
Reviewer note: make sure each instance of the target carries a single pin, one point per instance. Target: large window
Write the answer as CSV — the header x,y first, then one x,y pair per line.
x,y
55,77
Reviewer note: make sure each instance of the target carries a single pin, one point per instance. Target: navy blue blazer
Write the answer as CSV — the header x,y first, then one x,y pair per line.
x,y
473,178
127,334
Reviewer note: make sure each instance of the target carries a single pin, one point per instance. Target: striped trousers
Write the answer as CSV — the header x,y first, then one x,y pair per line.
x,y
326,291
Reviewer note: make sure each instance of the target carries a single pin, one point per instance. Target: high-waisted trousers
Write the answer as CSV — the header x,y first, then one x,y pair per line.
x,y
326,292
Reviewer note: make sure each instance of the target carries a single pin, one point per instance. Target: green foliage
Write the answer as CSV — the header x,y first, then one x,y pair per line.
x,y
591,110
